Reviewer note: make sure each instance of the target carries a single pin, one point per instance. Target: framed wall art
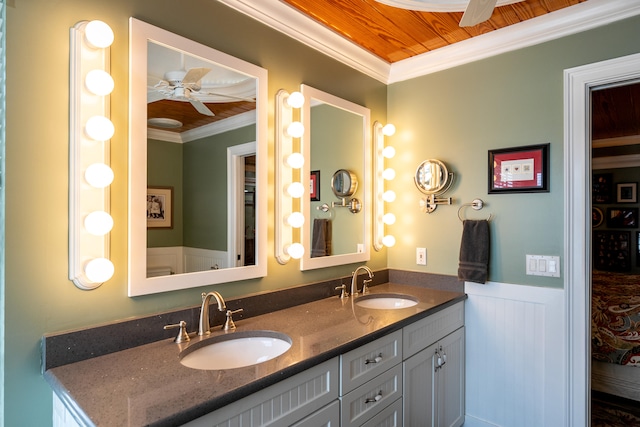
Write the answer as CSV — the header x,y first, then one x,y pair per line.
x,y
622,217
160,207
612,250
601,185
314,183
519,169
627,192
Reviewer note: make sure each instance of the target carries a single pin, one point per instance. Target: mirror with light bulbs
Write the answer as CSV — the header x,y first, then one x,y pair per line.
x,y
336,140
216,173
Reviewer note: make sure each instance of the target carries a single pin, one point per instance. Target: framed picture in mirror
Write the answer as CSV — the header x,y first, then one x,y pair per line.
x,y
314,184
160,207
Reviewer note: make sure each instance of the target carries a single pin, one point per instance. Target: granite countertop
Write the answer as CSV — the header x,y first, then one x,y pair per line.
x,y
147,385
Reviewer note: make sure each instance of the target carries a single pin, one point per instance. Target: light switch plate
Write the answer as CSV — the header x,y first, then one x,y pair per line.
x,y
421,256
543,265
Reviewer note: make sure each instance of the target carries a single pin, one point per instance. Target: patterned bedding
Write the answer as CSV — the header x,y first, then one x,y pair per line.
x,y
615,318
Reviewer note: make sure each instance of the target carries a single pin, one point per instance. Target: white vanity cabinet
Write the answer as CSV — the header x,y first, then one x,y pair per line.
x,y
285,403
433,393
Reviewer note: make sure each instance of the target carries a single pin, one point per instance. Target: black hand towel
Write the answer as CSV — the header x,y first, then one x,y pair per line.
x,y
321,238
474,251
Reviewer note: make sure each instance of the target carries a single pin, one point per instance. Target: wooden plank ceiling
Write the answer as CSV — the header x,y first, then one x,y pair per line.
x,y
394,34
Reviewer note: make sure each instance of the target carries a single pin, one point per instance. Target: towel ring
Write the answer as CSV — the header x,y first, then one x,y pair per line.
x,y
326,209
476,204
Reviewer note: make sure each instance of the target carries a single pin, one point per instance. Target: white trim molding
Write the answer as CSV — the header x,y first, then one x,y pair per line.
x,y
561,23
578,83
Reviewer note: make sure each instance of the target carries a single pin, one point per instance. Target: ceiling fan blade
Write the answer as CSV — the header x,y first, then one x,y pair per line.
x,y
222,95
477,11
154,95
194,75
202,109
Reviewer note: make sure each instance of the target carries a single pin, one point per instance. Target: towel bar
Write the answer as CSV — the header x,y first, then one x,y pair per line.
x,y
476,204
325,208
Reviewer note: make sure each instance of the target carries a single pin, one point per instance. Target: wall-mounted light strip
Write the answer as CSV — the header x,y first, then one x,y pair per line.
x,y
289,188
90,175
382,218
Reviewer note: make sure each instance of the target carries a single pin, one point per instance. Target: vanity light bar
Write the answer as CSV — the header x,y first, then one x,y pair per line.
x,y
289,189
381,175
90,176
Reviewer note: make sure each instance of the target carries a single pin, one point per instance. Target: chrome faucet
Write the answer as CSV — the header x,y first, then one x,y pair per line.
x,y
203,325
354,280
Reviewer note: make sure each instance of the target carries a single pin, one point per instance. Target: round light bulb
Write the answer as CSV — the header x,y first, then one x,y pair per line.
x,y
389,218
295,220
295,160
98,175
295,100
388,152
388,240
98,223
389,174
295,190
98,34
295,130
388,129
295,250
99,82
99,270
389,196
99,128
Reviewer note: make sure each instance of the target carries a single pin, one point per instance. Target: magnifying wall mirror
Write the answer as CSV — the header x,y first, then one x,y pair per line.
x,y
197,172
336,138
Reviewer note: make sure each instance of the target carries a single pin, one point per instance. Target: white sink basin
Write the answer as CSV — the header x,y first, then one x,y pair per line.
x,y
386,301
235,350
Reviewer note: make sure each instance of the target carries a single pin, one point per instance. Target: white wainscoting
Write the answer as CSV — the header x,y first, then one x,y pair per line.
x,y
182,259
515,355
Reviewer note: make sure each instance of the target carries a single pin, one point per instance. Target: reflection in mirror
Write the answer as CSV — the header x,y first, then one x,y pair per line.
x,y
202,169
336,138
344,183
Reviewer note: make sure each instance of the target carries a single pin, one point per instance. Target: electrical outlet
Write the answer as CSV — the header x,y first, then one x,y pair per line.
x,y
421,256
359,248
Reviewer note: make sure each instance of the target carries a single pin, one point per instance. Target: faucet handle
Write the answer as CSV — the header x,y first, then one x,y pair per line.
x,y
365,288
343,291
183,336
229,324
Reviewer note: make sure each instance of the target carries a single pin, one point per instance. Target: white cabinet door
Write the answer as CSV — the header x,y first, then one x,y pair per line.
x,y
450,381
433,391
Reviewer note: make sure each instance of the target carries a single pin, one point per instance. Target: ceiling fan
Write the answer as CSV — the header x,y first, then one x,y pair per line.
x,y
475,11
186,86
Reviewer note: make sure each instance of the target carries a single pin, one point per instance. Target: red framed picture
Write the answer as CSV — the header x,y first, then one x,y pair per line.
x,y
314,183
519,170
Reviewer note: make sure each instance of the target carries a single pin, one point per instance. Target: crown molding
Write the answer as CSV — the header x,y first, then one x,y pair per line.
x,y
561,23
291,22
564,22
226,125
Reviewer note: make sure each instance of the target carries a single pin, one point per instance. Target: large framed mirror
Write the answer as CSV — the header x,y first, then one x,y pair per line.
x,y
336,139
197,164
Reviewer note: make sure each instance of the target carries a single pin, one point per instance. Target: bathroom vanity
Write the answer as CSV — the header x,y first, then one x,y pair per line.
x,y
348,364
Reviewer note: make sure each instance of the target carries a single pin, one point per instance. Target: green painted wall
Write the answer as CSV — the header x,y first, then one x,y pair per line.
x,y
165,169
39,297
205,188
456,116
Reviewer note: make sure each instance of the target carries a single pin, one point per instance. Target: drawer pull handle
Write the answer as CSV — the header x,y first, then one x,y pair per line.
x,y
377,359
374,399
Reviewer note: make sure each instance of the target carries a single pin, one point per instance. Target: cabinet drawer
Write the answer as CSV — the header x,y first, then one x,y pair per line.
x,y
364,363
329,416
280,404
391,416
371,398
425,332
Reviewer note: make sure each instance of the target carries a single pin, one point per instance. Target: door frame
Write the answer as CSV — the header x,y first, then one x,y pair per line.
x,y
578,83
235,201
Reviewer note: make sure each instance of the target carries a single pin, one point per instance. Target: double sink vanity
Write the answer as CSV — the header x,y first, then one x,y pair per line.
x,y
394,353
